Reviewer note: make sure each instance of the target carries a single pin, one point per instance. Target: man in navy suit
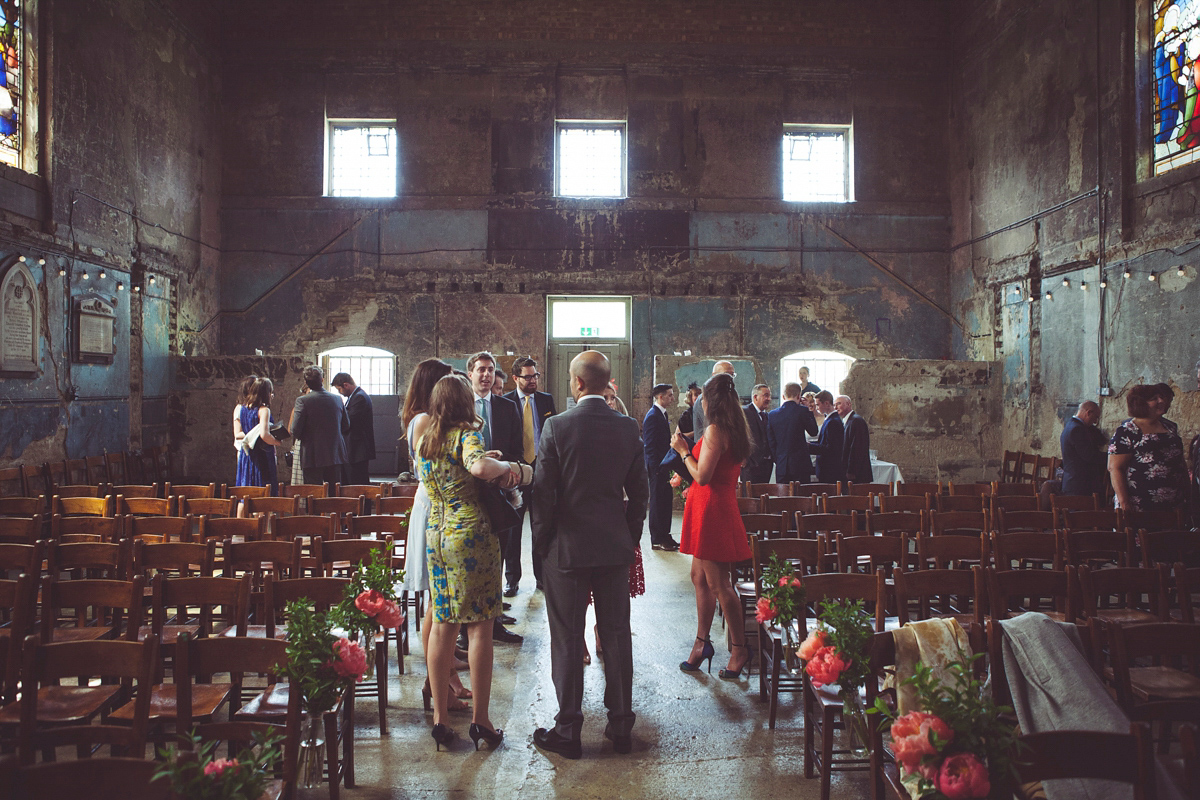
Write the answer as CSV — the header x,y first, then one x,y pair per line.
x,y
758,467
856,451
786,427
361,441
502,434
656,441
1084,458
828,447
535,408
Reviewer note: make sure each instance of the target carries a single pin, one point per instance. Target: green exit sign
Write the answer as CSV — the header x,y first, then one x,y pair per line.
x,y
586,331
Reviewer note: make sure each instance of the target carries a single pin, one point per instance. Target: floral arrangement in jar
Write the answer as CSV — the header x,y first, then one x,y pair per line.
x,y
319,662
369,603
196,775
837,651
960,744
780,595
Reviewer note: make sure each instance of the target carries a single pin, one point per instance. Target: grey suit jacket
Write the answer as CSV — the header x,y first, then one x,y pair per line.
x,y
321,424
587,457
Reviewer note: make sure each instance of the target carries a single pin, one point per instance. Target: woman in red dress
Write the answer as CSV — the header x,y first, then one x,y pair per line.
x,y
713,533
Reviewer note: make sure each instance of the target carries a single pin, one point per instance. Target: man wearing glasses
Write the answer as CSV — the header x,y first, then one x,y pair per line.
x,y
535,408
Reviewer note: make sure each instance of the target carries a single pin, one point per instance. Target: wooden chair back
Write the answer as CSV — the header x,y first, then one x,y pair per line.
x,y
1115,592
135,490
1008,466
205,604
1107,520
1013,521
257,560
377,526
808,526
1013,592
951,552
1003,489
242,492
747,505
173,559
21,530
769,489
83,506
19,506
971,489
866,555
889,504
918,489
871,589
404,489
86,529
336,505
789,505
160,529
896,522
1099,547
1014,502
404,504
97,470
765,526
82,490
1174,650
961,502
21,557
118,469
306,526
1169,547
845,504
371,491
805,555
1045,469
192,491
866,489
279,506
322,593
1027,468
103,609
928,593
211,507
12,482
1168,520
970,523
19,598
803,489
341,557
1062,503
144,506
1122,757
236,528
34,480
88,559
1027,549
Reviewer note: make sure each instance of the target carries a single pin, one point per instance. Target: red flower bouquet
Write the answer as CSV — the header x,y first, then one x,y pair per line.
x,y
370,601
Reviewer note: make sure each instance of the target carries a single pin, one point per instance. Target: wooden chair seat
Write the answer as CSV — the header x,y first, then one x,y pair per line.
x,y
170,632
64,704
255,632
86,634
1163,682
1126,616
207,699
268,704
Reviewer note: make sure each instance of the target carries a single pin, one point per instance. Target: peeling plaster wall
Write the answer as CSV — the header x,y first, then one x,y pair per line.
x,y
129,129
1048,101
935,419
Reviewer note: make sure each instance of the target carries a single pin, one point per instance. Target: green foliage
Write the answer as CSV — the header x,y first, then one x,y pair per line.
x,y
244,781
310,657
783,589
377,574
850,629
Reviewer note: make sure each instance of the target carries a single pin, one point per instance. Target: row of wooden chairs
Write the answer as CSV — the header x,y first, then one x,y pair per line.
x,y
896,489
1017,466
152,465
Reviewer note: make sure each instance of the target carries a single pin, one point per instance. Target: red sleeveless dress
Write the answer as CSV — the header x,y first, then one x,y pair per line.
x,y
712,523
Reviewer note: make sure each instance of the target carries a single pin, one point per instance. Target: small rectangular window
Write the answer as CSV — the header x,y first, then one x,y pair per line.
x,y
362,159
589,159
816,164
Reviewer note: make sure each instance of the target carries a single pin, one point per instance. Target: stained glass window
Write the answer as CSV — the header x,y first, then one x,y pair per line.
x,y
11,82
1176,117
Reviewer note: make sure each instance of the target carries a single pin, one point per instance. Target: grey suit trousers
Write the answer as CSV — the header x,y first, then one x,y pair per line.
x,y
566,606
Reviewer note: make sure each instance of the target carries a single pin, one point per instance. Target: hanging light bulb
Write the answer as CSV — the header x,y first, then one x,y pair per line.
x,y
1181,272
1103,282
1031,297
1067,282
1049,296
151,280
1151,277
21,259
62,273
1127,273
1083,285
120,286
136,289
103,274
86,277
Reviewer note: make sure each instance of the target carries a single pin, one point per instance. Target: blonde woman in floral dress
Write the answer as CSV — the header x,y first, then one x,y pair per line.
x,y
462,552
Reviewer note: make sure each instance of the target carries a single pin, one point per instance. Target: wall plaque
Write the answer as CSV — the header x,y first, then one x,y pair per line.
x,y
95,321
20,306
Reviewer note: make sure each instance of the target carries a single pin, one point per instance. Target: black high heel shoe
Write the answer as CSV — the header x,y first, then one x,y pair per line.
x,y
442,735
477,732
706,653
731,675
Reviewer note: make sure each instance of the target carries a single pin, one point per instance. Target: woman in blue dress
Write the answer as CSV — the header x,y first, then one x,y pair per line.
x,y
257,464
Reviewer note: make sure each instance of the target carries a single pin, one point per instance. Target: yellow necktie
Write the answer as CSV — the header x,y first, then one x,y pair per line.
x,y
527,432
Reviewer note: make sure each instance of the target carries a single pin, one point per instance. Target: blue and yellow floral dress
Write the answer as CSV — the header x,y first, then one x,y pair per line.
x,y
463,555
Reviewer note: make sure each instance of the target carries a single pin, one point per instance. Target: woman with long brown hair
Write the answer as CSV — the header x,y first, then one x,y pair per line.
x,y
713,533
463,554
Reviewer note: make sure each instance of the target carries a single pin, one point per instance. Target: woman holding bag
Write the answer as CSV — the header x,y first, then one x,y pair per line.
x,y
462,553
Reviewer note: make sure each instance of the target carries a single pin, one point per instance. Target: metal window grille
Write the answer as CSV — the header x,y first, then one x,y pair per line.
x,y
375,374
815,166
363,160
591,160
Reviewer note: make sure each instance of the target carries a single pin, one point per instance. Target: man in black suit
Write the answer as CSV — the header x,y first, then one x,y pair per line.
x,y
687,422
1084,457
856,451
535,408
786,427
502,438
656,441
361,442
758,467
320,423
587,535
828,447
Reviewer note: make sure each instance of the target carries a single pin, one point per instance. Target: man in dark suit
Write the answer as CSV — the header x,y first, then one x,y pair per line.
x,y
587,535
828,447
856,450
656,438
1084,457
361,443
535,408
758,467
502,438
320,423
687,422
786,427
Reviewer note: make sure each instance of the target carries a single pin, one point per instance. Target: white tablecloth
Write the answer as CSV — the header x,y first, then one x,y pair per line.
x,y
884,471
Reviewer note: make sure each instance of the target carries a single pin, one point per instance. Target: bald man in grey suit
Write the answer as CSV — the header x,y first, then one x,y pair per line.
x,y
588,458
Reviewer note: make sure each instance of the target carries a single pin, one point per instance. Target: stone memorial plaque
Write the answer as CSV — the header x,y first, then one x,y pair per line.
x,y
94,324
19,330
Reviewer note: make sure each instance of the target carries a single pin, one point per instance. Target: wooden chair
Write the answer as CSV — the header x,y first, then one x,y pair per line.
x,y
144,506
951,552
970,489
1169,547
242,492
1045,468
746,505
17,506
103,609
160,459
87,529
765,526
306,528
1008,466
371,491
1171,520
336,505
1012,521
404,489
1014,502
867,489
845,504
961,502
83,490
12,482
1099,547
257,559
192,491
304,491
1124,757
117,467
18,598
1013,592
1108,520
74,472
1027,468
88,559
866,555
822,706
769,489
173,559
957,523
928,593
135,490
918,489
198,660
21,530
789,506
1166,690
211,507
808,526
1124,595
1028,549
34,480
889,504
1004,489
896,522
83,506
403,505
1062,503
53,715
94,778
159,529
344,556
815,489
97,470
234,528
279,506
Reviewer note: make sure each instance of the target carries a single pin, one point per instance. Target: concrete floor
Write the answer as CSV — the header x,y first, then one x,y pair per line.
x,y
696,736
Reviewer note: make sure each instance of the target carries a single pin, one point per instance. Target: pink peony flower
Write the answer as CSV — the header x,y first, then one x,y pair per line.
x,y
676,480
390,616
370,602
217,766
911,738
815,641
765,611
351,659
826,666
963,776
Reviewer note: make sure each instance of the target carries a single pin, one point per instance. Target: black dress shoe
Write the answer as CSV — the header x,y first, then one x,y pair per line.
x,y
505,606
556,743
510,590
621,744
505,619
669,546
502,634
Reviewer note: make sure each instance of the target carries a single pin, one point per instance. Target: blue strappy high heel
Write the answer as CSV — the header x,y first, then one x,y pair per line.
x,y
706,653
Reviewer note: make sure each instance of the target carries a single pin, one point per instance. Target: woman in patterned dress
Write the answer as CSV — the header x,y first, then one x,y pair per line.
x,y
1145,456
462,552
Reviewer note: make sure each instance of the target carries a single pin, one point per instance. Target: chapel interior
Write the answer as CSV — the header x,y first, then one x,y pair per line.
x,y
1008,238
